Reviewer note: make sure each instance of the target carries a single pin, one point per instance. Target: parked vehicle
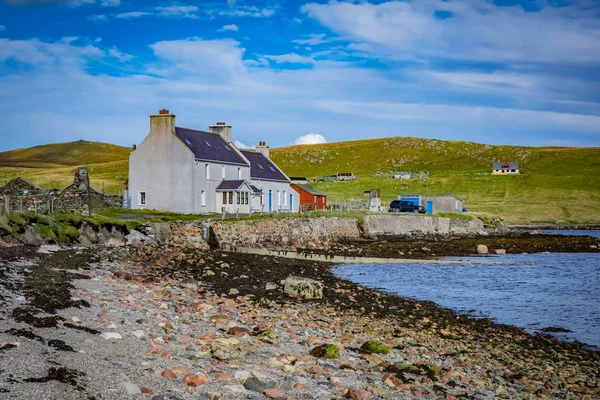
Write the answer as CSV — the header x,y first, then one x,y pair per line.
x,y
405,206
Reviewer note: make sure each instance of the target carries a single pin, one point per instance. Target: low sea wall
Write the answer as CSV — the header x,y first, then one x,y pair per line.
x,y
396,225
286,233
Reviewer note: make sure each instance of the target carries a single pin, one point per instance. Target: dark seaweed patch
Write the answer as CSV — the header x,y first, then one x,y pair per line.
x,y
26,333
60,345
81,328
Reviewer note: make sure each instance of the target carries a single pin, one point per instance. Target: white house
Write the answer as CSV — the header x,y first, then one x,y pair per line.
x,y
505,168
190,171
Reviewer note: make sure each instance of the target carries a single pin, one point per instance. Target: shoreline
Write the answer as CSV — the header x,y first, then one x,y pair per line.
x,y
173,285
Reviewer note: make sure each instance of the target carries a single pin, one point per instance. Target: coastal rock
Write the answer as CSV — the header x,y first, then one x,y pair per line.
x,y
326,351
222,350
137,238
255,385
195,380
111,335
500,251
303,288
482,249
375,347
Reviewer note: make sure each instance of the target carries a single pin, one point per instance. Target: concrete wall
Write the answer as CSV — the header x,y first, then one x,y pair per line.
x,y
410,224
163,167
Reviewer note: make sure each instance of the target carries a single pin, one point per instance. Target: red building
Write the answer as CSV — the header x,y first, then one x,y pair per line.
x,y
310,198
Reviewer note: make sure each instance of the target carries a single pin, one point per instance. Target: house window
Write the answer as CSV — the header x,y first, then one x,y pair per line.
x,y
239,173
224,197
222,171
230,197
284,198
142,198
203,198
206,171
237,197
278,198
315,199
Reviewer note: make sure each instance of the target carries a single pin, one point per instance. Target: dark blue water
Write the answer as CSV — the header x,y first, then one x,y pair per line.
x,y
567,232
560,290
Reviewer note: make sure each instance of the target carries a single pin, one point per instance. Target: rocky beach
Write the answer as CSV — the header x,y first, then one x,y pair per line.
x,y
165,322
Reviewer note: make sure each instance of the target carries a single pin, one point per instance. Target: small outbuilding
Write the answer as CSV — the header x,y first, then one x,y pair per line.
x,y
310,198
502,167
345,176
435,203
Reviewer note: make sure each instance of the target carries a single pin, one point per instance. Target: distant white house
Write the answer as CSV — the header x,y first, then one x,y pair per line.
x,y
505,168
402,175
190,171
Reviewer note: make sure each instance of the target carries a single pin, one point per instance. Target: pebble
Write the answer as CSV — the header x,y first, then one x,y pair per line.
x,y
128,388
111,335
168,374
254,384
138,333
195,380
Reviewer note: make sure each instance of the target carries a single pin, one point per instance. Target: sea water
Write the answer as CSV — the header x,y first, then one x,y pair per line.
x,y
558,290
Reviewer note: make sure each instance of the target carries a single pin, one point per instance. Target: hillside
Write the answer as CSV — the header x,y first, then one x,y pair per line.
x,y
53,165
556,184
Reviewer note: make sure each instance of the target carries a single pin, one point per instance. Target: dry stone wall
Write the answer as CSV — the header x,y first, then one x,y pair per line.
x,y
287,233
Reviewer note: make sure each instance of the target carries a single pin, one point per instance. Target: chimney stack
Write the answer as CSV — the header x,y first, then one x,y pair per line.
x,y
162,123
221,129
263,149
134,147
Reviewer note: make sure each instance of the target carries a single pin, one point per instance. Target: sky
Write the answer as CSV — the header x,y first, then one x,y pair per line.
x,y
285,72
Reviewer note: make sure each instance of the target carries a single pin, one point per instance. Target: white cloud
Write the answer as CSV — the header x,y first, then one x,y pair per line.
x,y
476,30
70,3
466,115
231,27
311,138
133,14
98,18
207,80
291,58
313,39
241,145
248,11
177,11
115,53
110,3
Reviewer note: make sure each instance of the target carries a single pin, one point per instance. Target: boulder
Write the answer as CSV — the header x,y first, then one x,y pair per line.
x,y
326,351
482,249
136,238
375,347
303,288
500,251
128,388
231,350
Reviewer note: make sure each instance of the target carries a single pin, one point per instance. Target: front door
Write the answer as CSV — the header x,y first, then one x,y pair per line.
x,y
291,202
270,201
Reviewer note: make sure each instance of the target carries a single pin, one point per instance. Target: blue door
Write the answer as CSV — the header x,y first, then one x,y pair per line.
x,y
291,202
429,207
270,201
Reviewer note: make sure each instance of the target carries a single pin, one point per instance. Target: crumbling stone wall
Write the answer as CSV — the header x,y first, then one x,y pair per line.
x,y
80,197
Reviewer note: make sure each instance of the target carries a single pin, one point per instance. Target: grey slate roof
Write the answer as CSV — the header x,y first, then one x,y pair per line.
x,y
511,165
255,189
230,185
309,189
262,168
209,146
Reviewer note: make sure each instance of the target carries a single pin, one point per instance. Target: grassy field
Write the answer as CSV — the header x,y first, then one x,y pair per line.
x,y
557,184
54,165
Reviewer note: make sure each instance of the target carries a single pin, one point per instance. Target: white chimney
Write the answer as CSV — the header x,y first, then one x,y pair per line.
x,y
162,123
221,129
263,149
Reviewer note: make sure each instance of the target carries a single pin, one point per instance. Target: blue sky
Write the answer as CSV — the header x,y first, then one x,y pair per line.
x,y
284,72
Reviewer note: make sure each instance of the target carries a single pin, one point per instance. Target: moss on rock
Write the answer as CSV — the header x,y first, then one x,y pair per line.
x,y
375,347
326,351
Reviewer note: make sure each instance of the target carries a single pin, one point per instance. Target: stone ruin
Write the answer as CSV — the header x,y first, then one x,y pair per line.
x,y
18,195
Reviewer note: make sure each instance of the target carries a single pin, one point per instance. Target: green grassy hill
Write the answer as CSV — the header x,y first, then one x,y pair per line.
x,y
54,165
556,183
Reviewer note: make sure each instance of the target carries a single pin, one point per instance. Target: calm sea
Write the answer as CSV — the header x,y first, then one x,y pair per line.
x,y
559,290
567,232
